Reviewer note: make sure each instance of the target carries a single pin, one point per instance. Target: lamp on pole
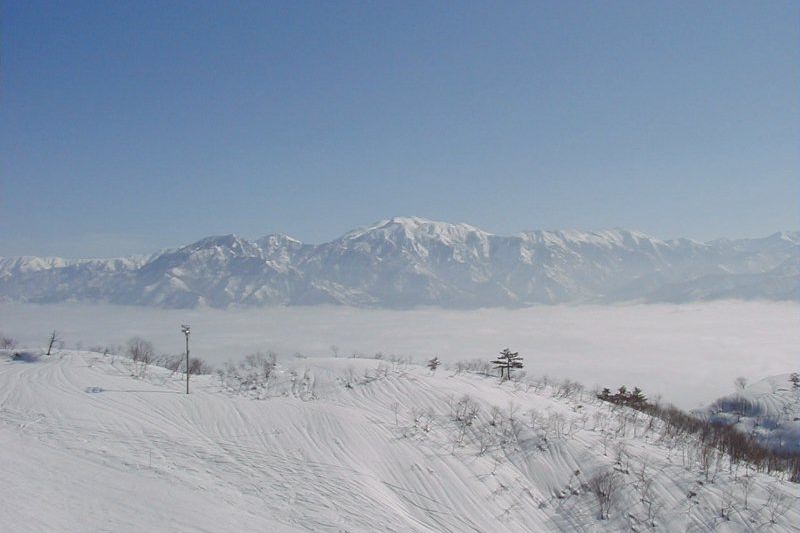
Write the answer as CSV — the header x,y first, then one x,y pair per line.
x,y
185,330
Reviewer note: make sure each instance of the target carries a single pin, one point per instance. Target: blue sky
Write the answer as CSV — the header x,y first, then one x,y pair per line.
x,y
127,127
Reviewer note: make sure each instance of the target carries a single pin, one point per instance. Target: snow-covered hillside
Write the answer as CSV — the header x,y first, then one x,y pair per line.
x,y
350,445
768,409
406,262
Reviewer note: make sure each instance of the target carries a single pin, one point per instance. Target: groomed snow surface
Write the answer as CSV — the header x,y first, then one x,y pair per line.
x,y
344,445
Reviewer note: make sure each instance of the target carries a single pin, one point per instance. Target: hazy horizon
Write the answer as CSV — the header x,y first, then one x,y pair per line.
x,y
688,353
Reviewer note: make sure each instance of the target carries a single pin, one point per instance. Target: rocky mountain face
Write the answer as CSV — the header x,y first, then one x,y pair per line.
x,y
406,262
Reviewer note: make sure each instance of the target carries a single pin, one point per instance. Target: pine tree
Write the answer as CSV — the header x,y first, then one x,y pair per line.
x,y
621,396
637,399
434,363
507,361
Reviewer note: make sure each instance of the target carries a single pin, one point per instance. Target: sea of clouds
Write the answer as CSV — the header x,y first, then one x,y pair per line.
x,y
689,354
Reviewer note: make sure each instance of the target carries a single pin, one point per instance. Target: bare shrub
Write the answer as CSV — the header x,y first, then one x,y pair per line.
x,y
746,482
142,352
604,485
7,343
464,412
349,379
726,503
252,373
777,504
198,366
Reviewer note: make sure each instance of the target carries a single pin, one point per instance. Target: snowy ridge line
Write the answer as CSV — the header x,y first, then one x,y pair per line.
x,y
408,261
377,446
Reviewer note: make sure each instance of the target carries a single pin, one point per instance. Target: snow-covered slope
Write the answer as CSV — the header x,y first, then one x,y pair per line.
x,y
347,445
405,262
768,409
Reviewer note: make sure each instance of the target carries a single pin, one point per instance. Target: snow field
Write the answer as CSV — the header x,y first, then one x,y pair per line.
x,y
341,445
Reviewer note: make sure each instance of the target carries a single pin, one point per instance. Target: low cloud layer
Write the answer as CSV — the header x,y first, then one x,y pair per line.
x,y
689,353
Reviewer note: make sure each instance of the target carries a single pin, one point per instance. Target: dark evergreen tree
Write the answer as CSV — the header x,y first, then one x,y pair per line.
x,y
506,361
637,399
621,395
434,363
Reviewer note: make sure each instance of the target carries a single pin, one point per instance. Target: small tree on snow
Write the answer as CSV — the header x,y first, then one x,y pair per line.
x,y
433,364
506,361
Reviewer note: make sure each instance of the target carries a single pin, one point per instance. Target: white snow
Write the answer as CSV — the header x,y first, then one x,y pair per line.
x,y
87,447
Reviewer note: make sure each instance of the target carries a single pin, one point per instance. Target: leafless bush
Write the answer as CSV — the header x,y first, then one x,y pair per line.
x,y
198,366
7,343
495,416
621,456
477,366
486,440
556,424
644,484
141,351
252,373
349,379
726,503
463,412
605,485
706,455
746,482
777,504
568,389
423,419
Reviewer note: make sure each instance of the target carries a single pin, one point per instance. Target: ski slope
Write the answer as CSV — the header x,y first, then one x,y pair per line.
x,y
340,445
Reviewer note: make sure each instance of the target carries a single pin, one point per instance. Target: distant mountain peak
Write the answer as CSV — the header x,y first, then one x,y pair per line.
x,y
407,261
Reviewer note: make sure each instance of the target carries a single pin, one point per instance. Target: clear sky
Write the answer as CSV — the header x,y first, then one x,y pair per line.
x,y
130,126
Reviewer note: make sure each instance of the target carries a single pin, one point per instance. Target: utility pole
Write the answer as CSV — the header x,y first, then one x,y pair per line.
x,y
185,330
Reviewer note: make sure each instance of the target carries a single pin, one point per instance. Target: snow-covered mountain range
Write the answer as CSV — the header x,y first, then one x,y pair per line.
x,y
408,261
